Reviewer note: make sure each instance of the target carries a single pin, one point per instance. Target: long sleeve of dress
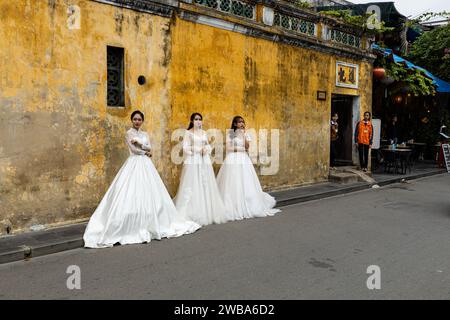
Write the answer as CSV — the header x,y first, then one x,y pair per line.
x,y
207,145
189,145
146,144
248,139
187,148
133,149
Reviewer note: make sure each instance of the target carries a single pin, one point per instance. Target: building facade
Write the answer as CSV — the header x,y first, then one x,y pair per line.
x,y
72,71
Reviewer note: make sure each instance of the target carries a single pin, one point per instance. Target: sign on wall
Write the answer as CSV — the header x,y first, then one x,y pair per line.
x,y
347,74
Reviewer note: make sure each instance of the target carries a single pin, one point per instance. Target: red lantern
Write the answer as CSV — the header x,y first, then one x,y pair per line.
x,y
379,73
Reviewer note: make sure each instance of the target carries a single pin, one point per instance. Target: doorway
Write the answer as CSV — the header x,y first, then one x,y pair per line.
x,y
343,106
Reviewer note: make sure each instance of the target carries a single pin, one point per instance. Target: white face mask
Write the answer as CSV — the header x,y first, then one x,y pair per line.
x,y
198,123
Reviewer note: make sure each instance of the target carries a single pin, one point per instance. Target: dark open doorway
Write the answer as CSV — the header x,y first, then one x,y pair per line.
x,y
343,106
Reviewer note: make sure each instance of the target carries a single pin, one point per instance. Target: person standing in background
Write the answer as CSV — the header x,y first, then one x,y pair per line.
x,y
333,139
363,139
393,131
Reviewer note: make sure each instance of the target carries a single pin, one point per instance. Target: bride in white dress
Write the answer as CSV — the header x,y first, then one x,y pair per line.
x,y
198,197
137,207
237,179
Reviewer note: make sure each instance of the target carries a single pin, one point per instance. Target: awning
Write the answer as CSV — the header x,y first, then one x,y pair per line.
x,y
441,85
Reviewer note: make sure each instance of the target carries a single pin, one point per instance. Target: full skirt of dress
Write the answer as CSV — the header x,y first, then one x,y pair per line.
x,y
198,197
136,209
241,190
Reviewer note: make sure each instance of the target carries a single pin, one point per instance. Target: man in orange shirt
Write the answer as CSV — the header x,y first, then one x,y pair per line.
x,y
363,139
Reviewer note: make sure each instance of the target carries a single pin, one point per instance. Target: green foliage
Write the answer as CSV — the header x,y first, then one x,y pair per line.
x,y
301,4
432,51
356,20
417,82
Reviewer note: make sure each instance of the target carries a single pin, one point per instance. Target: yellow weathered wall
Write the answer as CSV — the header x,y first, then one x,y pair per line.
x,y
60,145
273,86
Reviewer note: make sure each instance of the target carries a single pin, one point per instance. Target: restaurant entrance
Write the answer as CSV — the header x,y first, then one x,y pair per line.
x,y
343,106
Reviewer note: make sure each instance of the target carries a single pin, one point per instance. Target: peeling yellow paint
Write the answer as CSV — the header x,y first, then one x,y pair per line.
x,y
25,196
10,170
63,145
273,86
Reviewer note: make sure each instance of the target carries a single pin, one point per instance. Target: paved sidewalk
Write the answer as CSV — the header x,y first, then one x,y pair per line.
x,y
38,243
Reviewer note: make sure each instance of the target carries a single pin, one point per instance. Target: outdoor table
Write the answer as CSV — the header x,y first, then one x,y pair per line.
x,y
417,143
420,146
392,157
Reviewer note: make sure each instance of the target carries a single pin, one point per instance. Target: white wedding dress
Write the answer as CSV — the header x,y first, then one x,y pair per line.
x,y
198,197
137,207
239,184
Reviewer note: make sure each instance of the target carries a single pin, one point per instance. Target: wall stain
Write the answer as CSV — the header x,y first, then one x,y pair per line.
x,y
118,17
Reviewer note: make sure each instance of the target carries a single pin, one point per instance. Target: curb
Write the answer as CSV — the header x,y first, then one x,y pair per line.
x,y
322,195
25,252
418,176
12,256
345,190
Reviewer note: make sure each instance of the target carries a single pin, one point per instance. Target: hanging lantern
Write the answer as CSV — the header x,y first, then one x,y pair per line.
x,y
387,80
398,99
379,73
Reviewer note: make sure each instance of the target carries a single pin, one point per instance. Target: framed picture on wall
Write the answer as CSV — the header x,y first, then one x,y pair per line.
x,y
347,75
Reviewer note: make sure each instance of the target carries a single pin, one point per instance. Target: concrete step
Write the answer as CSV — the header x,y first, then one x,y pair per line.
x,y
343,177
340,175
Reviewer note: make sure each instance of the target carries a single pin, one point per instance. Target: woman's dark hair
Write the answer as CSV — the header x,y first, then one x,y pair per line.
x,y
137,112
191,123
235,121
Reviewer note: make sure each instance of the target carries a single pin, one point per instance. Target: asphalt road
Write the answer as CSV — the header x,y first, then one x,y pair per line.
x,y
314,250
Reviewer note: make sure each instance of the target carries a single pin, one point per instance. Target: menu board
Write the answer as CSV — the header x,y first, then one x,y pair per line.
x,y
376,126
446,150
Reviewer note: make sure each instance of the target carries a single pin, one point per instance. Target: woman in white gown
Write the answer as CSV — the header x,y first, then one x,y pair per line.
x,y
237,179
198,197
137,207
